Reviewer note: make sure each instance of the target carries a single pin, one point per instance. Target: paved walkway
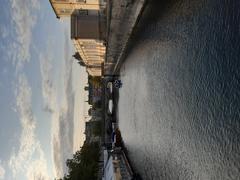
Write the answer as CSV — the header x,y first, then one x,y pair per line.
x,y
122,18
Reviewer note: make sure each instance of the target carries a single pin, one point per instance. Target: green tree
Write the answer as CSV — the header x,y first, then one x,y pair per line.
x,y
97,129
84,164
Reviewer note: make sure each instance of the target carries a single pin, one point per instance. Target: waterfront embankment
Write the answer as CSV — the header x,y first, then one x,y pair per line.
x,y
122,17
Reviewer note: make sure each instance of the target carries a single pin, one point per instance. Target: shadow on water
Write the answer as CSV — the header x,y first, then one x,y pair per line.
x,y
152,11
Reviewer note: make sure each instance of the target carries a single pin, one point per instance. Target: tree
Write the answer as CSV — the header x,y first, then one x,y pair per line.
x,y
97,129
84,164
90,111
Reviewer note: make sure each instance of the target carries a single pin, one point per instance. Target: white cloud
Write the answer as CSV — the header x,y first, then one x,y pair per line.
x,y
2,172
3,32
48,91
38,169
62,128
23,160
24,17
49,99
62,114
62,140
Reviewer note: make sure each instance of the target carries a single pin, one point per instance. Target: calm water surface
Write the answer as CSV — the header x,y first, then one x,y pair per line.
x,y
179,107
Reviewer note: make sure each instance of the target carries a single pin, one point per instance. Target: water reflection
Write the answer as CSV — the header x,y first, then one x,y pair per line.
x,y
179,106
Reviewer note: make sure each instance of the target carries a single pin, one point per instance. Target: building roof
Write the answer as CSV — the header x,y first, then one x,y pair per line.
x,y
54,9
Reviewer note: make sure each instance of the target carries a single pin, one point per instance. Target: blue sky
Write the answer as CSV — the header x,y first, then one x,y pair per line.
x,y
41,92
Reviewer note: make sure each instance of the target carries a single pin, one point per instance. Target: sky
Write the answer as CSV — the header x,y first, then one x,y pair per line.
x,y
42,112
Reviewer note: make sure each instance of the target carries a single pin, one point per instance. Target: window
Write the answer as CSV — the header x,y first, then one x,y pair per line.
x,y
82,12
65,11
81,1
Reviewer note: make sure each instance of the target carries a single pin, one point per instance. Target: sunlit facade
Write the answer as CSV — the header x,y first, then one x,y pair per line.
x,y
64,8
88,34
88,30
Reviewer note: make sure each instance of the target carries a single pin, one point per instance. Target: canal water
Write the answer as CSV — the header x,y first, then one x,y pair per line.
x,y
179,107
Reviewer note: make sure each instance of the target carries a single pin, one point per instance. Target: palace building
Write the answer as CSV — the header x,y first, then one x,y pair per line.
x,y
88,30
88,34
64,8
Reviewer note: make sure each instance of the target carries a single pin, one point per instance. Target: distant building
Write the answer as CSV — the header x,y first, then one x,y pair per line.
x,y
95,113
88,31
94,92
64,8
90,127
112,170
116,166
